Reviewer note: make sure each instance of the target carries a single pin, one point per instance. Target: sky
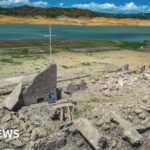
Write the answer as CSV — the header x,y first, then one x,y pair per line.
x,y
104,6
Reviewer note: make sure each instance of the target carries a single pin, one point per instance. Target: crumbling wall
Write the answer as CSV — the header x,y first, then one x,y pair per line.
x,y
42,85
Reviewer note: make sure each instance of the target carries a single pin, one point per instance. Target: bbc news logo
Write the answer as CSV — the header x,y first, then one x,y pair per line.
x,y
9,134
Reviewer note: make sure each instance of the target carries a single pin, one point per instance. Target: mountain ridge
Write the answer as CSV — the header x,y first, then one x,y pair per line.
x,y
54,12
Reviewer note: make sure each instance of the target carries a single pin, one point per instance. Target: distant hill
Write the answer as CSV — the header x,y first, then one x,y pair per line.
x,y
68,12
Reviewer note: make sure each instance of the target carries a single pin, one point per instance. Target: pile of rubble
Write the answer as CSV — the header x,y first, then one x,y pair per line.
x,y
122,123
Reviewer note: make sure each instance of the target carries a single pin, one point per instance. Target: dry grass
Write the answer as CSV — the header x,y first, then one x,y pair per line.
x,y
73,62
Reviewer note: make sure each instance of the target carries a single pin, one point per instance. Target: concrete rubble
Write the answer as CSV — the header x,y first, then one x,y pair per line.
x,y
88,131
116,108
13,99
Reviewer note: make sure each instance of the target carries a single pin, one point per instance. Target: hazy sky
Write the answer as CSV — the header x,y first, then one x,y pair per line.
x,y
111,6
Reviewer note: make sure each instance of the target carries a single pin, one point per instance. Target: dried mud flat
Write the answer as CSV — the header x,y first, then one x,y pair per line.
x,y
117,106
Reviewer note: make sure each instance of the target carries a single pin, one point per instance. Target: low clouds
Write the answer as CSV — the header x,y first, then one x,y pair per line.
x,y
112,8
10,3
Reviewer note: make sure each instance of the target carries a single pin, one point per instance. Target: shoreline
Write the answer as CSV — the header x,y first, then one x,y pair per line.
x,y
98,21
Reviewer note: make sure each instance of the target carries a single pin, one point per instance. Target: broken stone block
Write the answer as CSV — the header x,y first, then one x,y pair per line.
x,y
147,75
17,143
38,133
145,125
126,67
121,82
103,143
42,85
72,88
6,118
14,98
129,132
145,108
83,85
141,68
89,132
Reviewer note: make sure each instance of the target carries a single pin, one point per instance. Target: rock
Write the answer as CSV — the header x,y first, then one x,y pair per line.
x,y
17,143
22,125
145,108
32,143
14,98
38,133
72,88
129,132
15,119
141,68
142,116
1,113
145,125
6,118
138,111
26,135
126,67
83,85
114,144
21,116
90,133
102,143
120,82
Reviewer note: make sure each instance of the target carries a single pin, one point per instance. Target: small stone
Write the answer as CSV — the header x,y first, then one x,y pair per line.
x,y
114,144
126,67
142,116
17,143
102,143
15,118
22,125
26,135
26,139
32,143
6,118
141,68
83,85
38,133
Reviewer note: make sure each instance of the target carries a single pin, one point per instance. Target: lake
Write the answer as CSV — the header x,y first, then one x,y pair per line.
x,y
24,31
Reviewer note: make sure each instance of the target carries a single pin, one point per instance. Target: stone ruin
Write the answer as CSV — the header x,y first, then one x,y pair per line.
x,y
42,85
120,125
36,92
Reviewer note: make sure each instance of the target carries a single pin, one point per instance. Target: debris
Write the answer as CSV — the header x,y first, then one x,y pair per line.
x,y
141,68
145,125
90,133
130,132
38,133
126,67
72,88
6,118
14,98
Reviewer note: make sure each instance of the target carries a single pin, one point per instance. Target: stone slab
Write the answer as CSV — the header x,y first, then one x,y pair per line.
x,y
89,132
42,85
13,98
129,132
